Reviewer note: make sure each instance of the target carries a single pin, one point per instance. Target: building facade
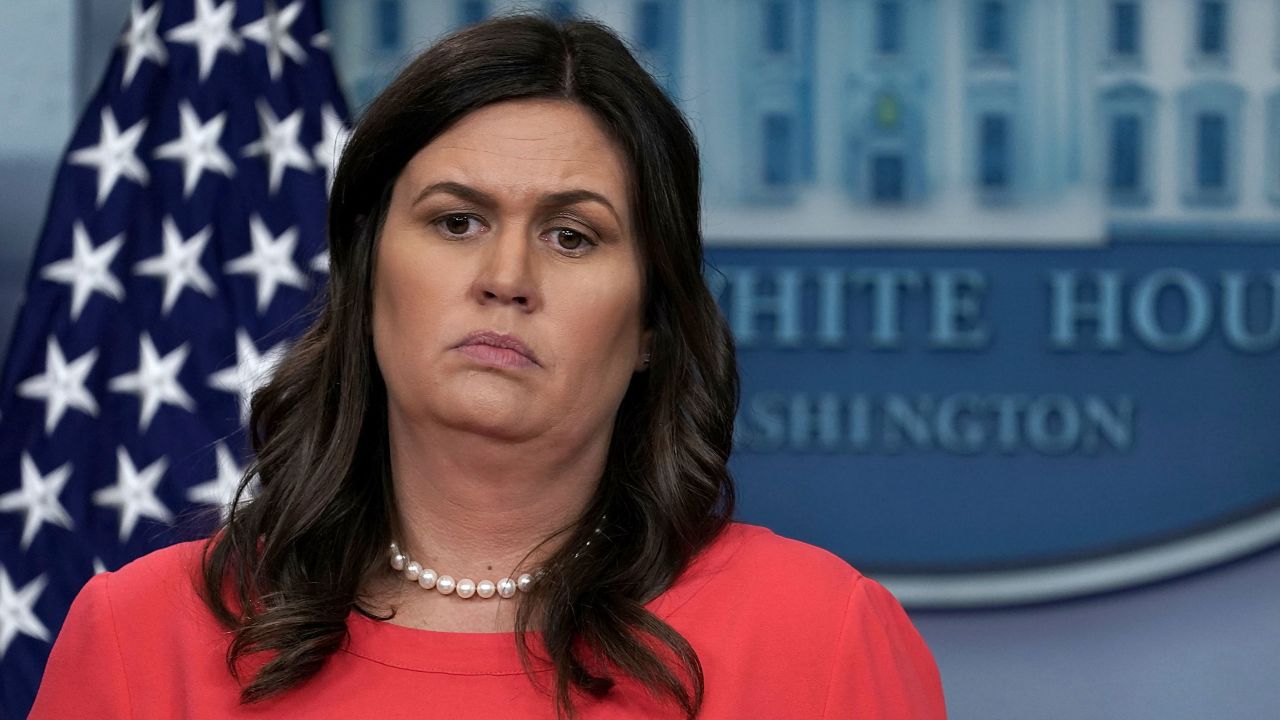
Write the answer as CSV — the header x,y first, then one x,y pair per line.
x,y
936,121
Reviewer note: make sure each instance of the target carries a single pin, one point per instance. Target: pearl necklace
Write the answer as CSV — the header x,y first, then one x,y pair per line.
x,y
429,579
465,588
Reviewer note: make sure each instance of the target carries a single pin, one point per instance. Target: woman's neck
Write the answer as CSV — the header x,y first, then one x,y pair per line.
x,y
481,508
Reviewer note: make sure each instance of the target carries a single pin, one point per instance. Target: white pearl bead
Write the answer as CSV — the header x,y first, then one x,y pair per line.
x,y
506,587
466,587
412,570
427,578
485,589
445,584
395,549
524,582
397,561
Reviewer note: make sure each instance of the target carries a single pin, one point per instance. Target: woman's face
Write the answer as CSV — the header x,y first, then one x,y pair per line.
x,y
507,278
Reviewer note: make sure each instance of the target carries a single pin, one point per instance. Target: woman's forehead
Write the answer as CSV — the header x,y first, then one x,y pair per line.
x,y
524,148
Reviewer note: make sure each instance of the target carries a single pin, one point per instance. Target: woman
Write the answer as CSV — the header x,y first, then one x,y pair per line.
x,y
493,475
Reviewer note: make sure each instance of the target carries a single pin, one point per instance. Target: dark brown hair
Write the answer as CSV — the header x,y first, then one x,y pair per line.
x,y
287,567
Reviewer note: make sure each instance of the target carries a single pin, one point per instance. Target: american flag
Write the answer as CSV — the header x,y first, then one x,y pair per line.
x,y
184,241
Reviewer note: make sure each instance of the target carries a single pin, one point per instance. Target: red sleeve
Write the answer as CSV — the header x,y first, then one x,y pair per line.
x,y
883,670
85,673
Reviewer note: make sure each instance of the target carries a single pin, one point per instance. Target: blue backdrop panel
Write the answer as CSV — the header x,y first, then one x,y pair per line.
x,y
946,410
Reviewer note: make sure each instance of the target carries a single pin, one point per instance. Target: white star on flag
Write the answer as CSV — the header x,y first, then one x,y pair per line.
x,y
221,490
38,497
320,263
197,148
134,493
98,567
114,156
329,150
17,610
272,32
140,40
179,264
87,270
155,382
62,385
210,32
271,259
251,371
279,142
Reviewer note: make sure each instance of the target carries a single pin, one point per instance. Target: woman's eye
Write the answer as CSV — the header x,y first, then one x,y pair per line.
x,y
572,240
458,225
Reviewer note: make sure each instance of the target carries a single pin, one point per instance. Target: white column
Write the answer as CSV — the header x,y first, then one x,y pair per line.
x,y
951,163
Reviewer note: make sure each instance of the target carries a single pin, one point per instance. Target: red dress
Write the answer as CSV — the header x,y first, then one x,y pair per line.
x,y
783,630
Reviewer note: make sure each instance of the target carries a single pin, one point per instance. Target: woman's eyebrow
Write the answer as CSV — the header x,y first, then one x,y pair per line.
x,y
456,189
479,197
571,197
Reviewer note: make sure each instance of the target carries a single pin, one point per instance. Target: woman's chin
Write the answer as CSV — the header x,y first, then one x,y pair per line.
x,y
508,420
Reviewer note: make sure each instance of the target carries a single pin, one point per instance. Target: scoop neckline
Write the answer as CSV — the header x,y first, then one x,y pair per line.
x,y
477,653
495,653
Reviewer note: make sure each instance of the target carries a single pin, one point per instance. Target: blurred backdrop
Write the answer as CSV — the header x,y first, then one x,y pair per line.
x,y
1005,279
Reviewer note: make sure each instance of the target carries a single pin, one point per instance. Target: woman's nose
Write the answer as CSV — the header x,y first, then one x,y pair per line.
x,y
505,275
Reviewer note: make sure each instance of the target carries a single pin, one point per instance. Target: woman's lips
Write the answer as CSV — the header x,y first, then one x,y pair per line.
x,y
496,356
497,349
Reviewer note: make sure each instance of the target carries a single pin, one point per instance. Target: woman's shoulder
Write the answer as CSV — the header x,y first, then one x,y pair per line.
x,y
151,597
758,552
157,576
140,630
774,618
763,572
760,544
154,604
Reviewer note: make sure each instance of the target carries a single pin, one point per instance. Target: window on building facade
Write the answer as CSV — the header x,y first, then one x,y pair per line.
x,y
650,25
994,152
993,29
561,10
776,27
472,11
779,150
888,178
1210,122
1126,29
888,27
1125,175
656,32
1211,152
1211,34
387,25
1128,117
